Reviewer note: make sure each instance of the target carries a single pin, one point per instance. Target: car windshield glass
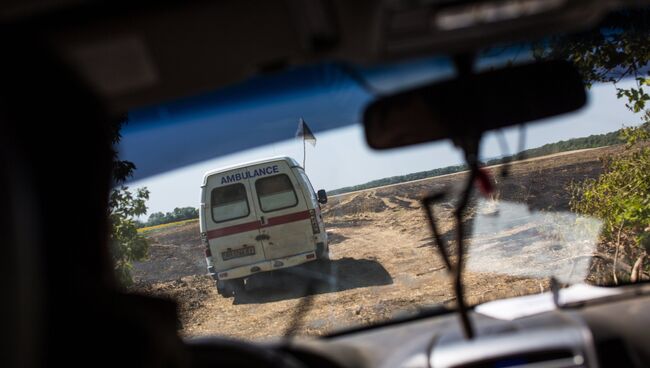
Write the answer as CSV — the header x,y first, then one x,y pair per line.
x,y
251,255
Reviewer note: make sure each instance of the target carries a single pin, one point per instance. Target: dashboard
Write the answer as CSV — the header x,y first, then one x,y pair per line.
x,y
604,332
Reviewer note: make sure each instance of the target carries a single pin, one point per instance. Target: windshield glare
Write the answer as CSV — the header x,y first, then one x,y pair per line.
x,y
238,237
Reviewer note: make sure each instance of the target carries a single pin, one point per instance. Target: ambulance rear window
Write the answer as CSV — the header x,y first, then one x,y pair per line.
x,y
275,193
229,203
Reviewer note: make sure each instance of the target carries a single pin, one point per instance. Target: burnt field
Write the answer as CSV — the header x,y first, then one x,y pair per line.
x,y
383,260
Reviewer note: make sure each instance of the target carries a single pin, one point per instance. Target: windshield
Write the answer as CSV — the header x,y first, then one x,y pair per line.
x,y
238,237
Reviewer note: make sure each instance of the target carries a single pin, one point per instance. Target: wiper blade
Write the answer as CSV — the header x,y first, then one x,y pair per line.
x,y
470,146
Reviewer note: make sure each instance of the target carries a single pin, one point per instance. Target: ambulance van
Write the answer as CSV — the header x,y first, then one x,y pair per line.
x,y
259,217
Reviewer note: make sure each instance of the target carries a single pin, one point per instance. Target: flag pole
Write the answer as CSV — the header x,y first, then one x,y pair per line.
x,y
304,154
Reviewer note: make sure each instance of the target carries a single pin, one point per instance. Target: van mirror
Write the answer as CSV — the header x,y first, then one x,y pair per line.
x,y
322,196
474,104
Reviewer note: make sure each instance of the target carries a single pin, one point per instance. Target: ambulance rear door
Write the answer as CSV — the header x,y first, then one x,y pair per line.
x,y
232,221
286,227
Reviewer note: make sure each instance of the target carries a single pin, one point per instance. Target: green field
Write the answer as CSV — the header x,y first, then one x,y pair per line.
x,y
149,229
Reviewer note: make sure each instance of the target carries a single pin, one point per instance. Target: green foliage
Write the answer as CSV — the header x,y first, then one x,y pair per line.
x,y
618,49
126,244
592,141
123,206
636,97
621,195
179,214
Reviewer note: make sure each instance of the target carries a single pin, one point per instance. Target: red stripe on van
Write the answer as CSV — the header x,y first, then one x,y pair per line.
x,y
279,220
254,225
241,228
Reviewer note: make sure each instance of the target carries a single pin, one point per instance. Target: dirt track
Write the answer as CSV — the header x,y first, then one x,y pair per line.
x,y
382,259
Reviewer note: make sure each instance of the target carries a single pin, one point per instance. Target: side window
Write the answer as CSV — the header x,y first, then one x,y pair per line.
x,y
229,203
275,193
312,193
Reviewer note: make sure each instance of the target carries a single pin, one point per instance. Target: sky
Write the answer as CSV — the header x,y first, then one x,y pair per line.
x,y
173,144
342,158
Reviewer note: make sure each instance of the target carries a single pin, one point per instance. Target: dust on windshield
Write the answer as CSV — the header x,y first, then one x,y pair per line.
x,y
249,246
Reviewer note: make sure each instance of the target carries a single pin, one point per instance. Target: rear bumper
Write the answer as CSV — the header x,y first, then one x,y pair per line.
x,y
264,266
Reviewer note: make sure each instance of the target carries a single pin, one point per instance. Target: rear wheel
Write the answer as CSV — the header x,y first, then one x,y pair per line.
x,y
325,256
238,286
221,289
323,263
228,288
322,252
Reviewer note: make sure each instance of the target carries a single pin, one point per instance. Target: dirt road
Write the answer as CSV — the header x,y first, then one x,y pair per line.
x,y
383,261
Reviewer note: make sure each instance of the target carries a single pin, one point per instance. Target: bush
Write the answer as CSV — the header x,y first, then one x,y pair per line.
x,y
179,214
126,244
621,195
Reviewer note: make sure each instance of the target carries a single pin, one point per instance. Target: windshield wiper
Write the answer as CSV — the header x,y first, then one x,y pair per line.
x,y
469,143
470,147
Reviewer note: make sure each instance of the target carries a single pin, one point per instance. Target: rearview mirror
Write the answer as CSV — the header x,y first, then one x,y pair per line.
x,y
471,105
322,196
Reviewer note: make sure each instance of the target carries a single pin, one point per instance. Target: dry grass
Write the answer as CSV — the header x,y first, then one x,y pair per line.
x,y
383,260
149,229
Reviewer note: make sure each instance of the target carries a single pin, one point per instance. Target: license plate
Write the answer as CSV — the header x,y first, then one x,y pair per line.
x,y
237,253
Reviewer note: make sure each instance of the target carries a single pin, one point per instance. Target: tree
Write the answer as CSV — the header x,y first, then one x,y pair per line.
x,y
618,49
126,244
177,214
155,218
123,206
621,195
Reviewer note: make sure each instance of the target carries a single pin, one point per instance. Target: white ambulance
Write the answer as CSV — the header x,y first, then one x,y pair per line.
x,y
259,216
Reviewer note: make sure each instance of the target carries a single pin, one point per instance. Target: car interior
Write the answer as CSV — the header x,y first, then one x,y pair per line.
x,y
72,69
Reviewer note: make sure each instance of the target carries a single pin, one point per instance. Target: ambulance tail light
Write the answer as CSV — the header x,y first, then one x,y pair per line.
x,y
206,244
204,240
314,222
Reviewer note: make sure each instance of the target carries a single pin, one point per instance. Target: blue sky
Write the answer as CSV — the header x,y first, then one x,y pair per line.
x,y
197,135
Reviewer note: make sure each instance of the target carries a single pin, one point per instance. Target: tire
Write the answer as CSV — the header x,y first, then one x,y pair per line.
x,y
323,253
234,287
237,286
323,264
325,256
228,288
222,289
